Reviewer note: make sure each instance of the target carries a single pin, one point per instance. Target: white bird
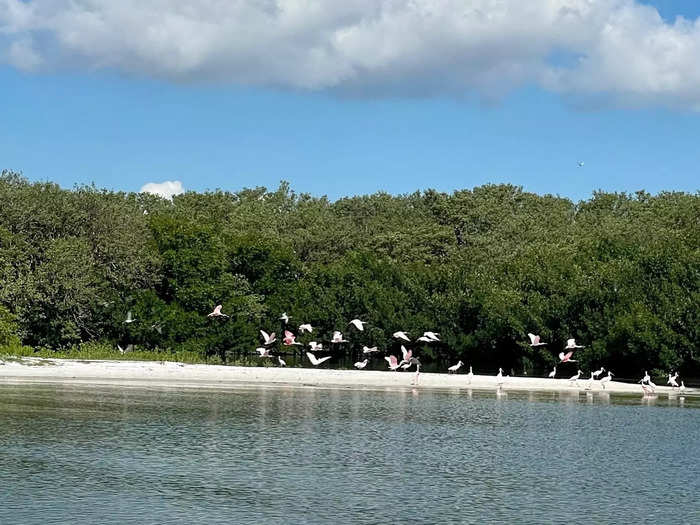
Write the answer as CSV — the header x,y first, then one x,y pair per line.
x,y
598,372
314,360
574,379
217,312
566,357
681,389
338,338
268,338
129,318
580,164
263,352
648,389
606,379
646,378
431,335
652,385
393,362
672,380
306,327
315,346
456,367
470,375
405,364
281,361
499,377
361,364
589,384
425,339
368,350
289,339
284,317
358,324
401,335
535,340
406,354
571,344
553,372
128,348
415,361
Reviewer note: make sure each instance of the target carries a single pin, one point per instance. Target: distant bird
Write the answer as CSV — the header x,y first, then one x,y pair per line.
x,y
470,375
606,379
672,380
315,347
263,352
580,164
361,364
454,368
574,379
358,324
281,361
314,360
589,384
393,362
158,328
369,350
571,345
598,372
284,317
415,361
305,328
129,319
401,335
268,338
289,339
566,358
338,337
123,351
431,335
425,339
535,340
499,377
681,389
217,312
553,372
646,378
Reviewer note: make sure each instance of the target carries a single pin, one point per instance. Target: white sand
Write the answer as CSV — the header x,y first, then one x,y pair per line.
x,y
185,375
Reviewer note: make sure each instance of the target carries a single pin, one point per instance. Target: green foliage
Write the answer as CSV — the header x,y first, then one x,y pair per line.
x,y
619,272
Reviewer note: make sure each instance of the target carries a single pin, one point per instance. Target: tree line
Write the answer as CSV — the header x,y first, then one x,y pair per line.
x,y
483,267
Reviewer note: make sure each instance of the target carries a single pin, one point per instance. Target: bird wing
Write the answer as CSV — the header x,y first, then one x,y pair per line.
x,y
312,358
570,342
323,359
533,338
567,356
217,310
404,352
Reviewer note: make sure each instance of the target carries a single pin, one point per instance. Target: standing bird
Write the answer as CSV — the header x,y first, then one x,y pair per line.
x,y
401,335
646,378
338,337
574,379
470,375
566,357
289,339
681,389
284,317
606,379
358,324
499,377
217,312
306,327
393,362
129,319
571,345
268,338
672,380
456,367
361,364
314,360
368,350
553,372
415,361
281,361
589,384
535,340
598,372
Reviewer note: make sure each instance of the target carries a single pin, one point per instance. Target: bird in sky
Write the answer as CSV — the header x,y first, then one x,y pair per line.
x,y
571,345
566,358
535,340
217,312
316,361
284,317
263,352
393,362
289,339
306,327
580,164
358,324
401,335
432,335
369,350
338,337
268,338
315,346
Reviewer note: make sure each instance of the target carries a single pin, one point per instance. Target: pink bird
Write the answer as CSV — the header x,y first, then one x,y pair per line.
x,y
269,338
217,312
393,362
407,354
535,340
289,339
566,358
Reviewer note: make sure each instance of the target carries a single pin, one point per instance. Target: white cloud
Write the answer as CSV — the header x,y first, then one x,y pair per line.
x,y
166,189
620,50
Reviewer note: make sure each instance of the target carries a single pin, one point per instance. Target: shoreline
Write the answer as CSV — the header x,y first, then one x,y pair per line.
x,y
164,373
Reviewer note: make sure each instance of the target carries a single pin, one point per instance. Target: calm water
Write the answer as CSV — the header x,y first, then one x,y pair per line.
x,y
73,454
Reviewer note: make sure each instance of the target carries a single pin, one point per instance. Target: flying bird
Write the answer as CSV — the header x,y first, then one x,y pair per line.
x,y
431,335
393,362
407,354
284,317
338,338
426,339
129,319
305,328
315,346
535,340
369,350
401,335
268,338
571,345
456,367
217,312
316,361
289,339
358,324
580,164
361,364
566,358
263,352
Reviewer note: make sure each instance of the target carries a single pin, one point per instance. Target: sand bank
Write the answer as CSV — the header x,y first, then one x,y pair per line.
x,y
187,375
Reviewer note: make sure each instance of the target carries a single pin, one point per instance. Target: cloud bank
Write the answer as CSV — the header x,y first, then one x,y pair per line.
x,y
614,50
166,189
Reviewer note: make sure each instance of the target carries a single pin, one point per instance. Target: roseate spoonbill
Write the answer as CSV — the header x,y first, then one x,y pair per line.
x,y
306,327
263,352
646,378
571,344
393,362
358,324
431,335
268,338
407,354
289,339
566,357
315,346
499,377
368,350
338,337
284,317
553,372
281,361
535,340
598,372
415,361
456,367
470,375
217,312
606,379
672,380
361,364
314,360
574,379
129,319
648,390
401,335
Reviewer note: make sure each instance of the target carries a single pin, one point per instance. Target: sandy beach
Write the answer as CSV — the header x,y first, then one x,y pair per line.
x,y
189,375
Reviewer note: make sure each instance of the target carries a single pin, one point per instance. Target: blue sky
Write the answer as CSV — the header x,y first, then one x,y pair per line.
x,y
72,120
